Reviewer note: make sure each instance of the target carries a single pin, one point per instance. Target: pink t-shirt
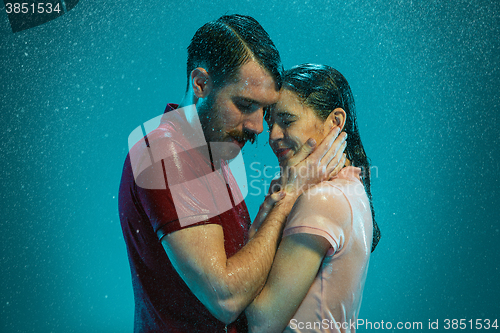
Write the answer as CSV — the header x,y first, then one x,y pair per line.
x,y
334,298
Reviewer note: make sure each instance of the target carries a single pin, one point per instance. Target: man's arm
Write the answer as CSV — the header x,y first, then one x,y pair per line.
x,y
298,259
226,286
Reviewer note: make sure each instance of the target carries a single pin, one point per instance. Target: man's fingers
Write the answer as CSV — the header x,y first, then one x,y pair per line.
x,y
304,151
337,148
326,145
336,165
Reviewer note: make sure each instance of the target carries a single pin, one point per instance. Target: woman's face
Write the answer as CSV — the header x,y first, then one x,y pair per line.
x,y
291,124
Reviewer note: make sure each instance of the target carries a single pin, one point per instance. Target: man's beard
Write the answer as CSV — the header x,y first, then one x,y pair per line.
x,y
214,129
213,124
210,119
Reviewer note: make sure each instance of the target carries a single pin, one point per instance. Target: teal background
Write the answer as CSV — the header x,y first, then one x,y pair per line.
x,y
426,79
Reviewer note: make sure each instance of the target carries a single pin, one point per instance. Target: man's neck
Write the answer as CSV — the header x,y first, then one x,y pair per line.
x,y
189,105
186,100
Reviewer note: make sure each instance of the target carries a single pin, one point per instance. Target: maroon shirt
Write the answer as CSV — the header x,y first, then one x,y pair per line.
x,y
148,211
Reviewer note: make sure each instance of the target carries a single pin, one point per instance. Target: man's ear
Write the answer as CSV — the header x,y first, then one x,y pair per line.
x,y
201,82
337,118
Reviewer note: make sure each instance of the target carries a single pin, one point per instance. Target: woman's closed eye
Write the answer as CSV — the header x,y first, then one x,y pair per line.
x,y
287,122
285,119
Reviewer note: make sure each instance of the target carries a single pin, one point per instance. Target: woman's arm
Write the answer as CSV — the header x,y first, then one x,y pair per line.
x,y
295,267
299,258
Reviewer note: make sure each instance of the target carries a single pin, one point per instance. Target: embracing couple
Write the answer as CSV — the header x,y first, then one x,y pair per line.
x,y
198,263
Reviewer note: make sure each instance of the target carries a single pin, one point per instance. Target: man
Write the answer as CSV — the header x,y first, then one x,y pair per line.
x,y
193,267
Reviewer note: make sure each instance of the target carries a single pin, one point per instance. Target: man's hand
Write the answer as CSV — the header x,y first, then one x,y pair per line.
x,y
306,168
311,166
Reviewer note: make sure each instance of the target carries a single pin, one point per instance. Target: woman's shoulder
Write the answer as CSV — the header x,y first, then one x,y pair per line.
x,y
329,193
323,202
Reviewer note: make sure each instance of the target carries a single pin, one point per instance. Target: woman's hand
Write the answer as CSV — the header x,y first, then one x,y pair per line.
x,y
310,166
264,209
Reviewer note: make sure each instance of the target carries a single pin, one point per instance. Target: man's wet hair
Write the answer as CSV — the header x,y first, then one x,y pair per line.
x,y
222,46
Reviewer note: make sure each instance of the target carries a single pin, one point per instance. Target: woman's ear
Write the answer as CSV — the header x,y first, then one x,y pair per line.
x,y
337,117
201,82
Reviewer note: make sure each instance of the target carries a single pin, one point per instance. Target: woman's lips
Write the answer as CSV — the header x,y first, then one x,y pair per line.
x,y
280,153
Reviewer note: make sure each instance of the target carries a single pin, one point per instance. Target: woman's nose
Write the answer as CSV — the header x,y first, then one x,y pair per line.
x,y
275,132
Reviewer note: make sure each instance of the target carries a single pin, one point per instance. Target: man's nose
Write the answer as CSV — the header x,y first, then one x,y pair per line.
x,y
254,122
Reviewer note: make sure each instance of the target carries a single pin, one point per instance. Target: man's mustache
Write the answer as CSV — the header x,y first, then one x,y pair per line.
x,y
243,136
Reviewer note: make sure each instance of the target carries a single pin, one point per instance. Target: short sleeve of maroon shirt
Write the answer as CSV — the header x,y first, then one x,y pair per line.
x,y
167,185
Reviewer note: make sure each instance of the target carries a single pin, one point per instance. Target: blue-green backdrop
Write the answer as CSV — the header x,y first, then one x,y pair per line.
x,y
426,79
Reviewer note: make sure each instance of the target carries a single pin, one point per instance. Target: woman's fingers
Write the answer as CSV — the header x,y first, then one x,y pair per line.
x,y
265,208
274,198
275,185
269,202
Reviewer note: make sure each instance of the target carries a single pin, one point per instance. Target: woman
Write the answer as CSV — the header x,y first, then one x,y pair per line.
x,y
317,279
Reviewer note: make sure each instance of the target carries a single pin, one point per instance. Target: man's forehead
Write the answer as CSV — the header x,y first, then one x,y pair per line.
x,y
254,84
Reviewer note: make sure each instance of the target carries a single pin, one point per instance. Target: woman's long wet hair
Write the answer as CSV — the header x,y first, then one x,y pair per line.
x,y
324,89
